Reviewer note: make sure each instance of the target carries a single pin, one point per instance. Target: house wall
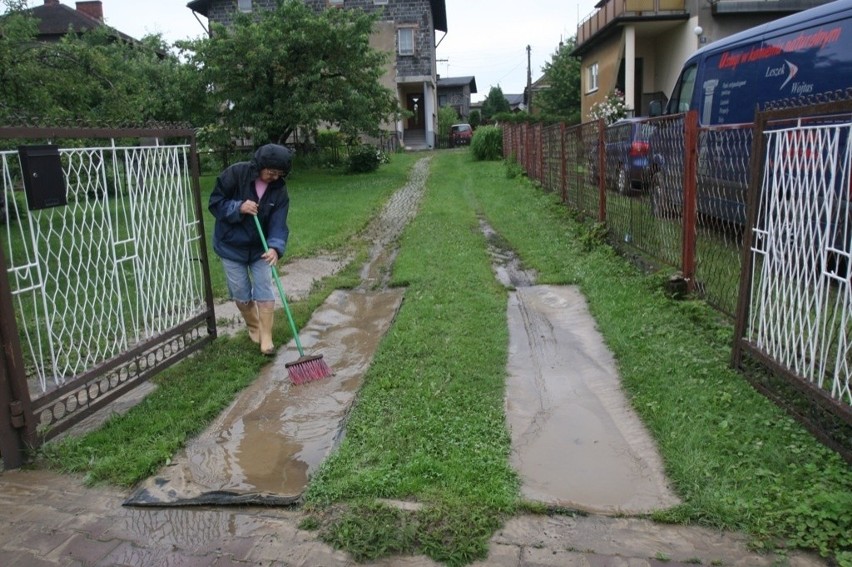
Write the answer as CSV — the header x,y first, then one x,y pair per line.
x,y
458,98
673,48
414,13
608,57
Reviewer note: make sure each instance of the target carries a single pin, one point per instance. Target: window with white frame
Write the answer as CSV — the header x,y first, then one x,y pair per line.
x,y
244,5
335,2
593,78
380,1
406,41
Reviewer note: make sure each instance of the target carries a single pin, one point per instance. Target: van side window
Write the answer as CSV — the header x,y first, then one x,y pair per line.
x,y
682,94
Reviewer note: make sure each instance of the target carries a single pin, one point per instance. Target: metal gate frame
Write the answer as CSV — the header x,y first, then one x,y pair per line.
x,y
823,406
26,422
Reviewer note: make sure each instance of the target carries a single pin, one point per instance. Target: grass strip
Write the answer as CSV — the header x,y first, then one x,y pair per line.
x,y
428,425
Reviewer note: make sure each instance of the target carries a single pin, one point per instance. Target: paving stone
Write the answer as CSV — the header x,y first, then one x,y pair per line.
x,y
551,557
129,555
40,540
81,548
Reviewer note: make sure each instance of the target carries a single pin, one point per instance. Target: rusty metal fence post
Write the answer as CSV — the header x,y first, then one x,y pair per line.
x,y
563,174
601,170
690,203
16,415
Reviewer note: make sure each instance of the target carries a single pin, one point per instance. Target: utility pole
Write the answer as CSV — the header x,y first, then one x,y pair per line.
x,y
529,82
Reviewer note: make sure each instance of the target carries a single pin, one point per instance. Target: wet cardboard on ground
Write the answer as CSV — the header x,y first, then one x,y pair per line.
x,y
576,441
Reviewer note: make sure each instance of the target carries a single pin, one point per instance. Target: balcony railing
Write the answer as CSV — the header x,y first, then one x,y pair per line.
x,y
616,9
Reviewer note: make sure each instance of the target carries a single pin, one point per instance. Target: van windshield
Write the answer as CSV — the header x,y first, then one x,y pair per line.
x,y
682,94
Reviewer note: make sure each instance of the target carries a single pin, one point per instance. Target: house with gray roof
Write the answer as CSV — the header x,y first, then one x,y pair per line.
x,y
455,92
56,19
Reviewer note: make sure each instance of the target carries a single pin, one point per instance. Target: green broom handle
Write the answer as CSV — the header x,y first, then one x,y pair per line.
x,y
280,290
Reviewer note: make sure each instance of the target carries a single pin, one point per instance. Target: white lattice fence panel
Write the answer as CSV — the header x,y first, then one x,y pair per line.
x,y
801,294
115,266
169,286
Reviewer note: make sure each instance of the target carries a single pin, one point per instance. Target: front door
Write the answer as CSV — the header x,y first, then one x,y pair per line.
x,y
415,106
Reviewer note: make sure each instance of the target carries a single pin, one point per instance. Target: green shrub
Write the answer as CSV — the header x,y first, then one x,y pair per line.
x,y
329,139
487,143
513,168
447,116
364,159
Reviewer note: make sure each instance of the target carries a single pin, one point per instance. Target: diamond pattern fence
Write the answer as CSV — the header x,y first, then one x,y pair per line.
x,y
113,285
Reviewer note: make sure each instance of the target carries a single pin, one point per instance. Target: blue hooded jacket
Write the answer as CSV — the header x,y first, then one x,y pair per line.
x,y
235,234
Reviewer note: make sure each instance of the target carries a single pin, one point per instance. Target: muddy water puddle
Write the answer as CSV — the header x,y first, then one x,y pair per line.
x,y
576,442
265,446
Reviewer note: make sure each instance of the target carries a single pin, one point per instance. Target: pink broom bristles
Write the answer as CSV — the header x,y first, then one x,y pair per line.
x,y
307,369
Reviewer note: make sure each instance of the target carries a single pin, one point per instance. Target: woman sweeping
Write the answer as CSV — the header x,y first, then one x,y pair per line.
x,y
245,190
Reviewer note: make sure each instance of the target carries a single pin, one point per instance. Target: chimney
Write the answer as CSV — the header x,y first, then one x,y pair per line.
x,y
92,8
51,2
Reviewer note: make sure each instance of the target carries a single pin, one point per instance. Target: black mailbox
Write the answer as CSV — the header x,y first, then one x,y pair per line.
x,y
43,179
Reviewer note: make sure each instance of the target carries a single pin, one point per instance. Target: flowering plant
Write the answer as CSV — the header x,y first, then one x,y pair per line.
x,y
610,109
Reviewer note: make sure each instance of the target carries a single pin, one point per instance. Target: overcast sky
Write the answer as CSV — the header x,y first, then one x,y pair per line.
x,y
487,39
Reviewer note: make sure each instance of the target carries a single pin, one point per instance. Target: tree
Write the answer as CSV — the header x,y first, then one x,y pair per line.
x,y
447,116
562,98
93,77
475,119
289,67
495,103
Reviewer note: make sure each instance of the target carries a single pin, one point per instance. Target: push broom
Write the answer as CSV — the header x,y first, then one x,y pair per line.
x,y
307,367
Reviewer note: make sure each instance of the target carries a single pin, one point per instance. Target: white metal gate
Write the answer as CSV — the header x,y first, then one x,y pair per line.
x,y
801,295
796,295
112,283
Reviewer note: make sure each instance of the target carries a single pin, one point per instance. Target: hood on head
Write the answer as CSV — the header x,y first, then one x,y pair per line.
x,y
273,156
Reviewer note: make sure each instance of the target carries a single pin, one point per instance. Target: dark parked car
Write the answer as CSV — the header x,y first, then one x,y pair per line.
x,y
460,134
628,156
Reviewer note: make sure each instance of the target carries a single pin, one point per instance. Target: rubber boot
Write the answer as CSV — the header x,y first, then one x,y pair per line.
x,y
266,316
249,312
